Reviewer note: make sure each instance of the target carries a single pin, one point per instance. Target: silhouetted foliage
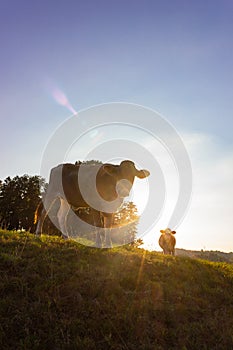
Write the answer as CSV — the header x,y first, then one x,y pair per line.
x,y
19,197
126,219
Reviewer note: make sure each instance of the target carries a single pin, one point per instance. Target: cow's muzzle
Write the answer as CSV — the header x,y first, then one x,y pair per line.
x,y
123,188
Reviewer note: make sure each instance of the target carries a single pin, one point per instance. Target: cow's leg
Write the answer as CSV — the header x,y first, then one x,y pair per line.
x,y
62,216
166,250
107,228
47,205
96,215
40,222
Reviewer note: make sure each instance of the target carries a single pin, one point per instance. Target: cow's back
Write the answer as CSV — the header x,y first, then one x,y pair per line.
x,y
79,184
85,186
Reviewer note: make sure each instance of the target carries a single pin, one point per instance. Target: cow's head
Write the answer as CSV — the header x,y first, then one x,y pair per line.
x,y
168,231
124,175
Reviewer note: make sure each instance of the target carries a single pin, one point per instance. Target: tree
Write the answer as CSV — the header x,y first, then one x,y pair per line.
x,y
126,220
19,198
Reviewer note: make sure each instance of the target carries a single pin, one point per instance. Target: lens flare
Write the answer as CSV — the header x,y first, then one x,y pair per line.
x,y
62,100
59,96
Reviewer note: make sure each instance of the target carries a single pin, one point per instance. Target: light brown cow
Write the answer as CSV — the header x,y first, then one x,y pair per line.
x,y
102,188
167,241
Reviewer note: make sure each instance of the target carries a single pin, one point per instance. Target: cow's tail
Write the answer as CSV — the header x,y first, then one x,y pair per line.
x,y
38,212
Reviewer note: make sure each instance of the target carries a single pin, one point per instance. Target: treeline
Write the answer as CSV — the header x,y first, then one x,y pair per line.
x,y
20,196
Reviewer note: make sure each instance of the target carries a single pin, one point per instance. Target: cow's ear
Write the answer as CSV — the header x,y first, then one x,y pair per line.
x,y
142,173
173,232
162,231
109,169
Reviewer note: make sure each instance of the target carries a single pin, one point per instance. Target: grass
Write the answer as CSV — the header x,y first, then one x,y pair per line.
x,y
57,294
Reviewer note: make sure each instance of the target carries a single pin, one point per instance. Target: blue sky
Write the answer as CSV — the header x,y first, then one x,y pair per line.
x,y
172,56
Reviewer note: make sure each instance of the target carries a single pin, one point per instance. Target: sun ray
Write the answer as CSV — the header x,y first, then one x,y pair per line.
x,y
140,269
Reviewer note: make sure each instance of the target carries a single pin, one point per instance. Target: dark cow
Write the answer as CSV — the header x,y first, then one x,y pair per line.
x,y
102,188
167,241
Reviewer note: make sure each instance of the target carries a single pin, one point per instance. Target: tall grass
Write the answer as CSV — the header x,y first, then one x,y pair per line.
x,y
57,294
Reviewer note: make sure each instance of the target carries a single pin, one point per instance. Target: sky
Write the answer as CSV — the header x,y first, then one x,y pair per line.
x,y
174,57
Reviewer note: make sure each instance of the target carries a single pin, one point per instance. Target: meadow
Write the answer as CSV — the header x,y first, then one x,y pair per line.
x,y
58,294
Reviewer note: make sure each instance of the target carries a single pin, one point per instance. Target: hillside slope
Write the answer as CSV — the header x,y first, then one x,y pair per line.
x,y
58,294
211,255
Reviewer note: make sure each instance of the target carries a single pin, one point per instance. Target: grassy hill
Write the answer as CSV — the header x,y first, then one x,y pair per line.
x,y
58,294
211,255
